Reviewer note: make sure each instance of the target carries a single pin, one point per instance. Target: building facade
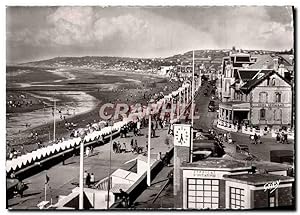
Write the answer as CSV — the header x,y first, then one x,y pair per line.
x,y
260,98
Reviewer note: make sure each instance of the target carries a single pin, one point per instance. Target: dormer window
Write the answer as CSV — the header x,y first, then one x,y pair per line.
x,y
273,82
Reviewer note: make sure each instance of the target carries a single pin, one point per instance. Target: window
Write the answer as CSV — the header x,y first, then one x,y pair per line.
x,y
272,199
273,82
263,97
262,114
203,193
277,97
237,198
277,114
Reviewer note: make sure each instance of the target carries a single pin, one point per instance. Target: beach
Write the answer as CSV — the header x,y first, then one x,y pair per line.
x,y
79,96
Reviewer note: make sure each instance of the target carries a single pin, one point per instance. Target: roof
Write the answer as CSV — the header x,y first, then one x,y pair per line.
x,y
286,59
271,166
215,163
246,74
257,79
130,176
130,166
263,62
258,178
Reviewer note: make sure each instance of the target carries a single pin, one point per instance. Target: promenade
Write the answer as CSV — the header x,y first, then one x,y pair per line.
x,y
64,178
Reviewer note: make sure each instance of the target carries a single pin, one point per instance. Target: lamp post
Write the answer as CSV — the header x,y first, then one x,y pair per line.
x,y
109,169
149,145
192,107
81,173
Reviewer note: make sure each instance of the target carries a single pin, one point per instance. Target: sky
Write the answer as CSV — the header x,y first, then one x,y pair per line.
x,y
36,33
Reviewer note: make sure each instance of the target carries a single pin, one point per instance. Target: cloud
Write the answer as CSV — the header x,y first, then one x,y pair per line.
x,y
149,32
126,26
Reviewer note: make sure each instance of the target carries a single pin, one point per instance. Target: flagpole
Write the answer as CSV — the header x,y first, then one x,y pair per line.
x,y
192,107
81,174
149,148
109,170
54,121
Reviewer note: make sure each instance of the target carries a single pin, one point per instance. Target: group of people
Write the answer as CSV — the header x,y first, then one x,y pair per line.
x,y
117,147
134,147
282,138
88,178
255,139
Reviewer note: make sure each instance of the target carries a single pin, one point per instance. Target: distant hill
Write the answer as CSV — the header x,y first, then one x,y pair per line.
x,y
209,58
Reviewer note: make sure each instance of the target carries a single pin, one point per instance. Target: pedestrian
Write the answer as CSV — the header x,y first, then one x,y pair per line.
x,y
85,175
114,147
87,151
88,180
255,138
119,148
124,145
92,178
20,188
92,149
125,198
278,137
135,145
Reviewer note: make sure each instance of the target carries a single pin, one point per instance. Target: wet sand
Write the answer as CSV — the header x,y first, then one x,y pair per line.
x,y
131,91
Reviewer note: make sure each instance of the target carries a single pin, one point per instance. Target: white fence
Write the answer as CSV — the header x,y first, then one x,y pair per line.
x,y
251,131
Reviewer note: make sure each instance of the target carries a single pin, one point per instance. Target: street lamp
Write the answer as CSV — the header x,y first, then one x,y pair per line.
x,y
192,107
149,144
109,170
81,172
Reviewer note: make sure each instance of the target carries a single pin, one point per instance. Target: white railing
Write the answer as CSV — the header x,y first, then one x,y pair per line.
x,y
227,126
42,153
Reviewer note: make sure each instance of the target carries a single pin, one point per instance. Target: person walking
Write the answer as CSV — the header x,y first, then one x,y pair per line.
x,y
88,180
119,148
92,178
124,147
85,175
20,188
255,138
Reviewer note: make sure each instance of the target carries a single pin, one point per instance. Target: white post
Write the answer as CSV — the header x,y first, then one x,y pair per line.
x,y
149,148
192,107
109,170
81,175
54,121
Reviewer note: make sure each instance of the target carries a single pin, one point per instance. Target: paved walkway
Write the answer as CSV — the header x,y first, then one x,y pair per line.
x,y
63,178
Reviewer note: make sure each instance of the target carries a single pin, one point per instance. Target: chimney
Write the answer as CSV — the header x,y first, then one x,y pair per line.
x,y
276,66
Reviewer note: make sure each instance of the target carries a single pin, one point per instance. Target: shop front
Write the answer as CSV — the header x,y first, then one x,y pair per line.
x,y
203,184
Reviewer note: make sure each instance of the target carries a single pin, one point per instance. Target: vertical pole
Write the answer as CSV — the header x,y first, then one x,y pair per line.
x,y
45,191
54,121
175,177
81,174
149,148
187,95
109,170
179,104
192,108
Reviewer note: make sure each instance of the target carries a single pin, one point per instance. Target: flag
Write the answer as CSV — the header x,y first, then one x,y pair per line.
x,y
47,179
